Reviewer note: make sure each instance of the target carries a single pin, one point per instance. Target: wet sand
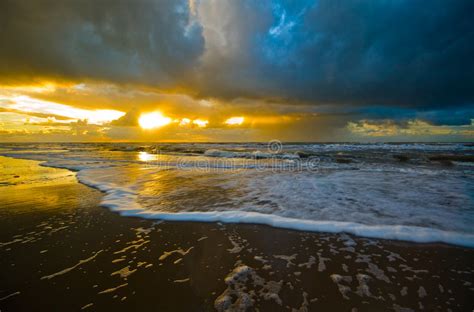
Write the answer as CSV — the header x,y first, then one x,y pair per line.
x,y
60,251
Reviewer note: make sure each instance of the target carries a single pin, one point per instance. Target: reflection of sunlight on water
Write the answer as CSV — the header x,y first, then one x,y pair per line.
x,y
144,156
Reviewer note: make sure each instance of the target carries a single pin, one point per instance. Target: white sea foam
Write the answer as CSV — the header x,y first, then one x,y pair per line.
x,y
395,232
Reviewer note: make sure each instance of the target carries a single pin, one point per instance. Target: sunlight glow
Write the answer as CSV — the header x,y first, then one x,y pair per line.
x,y
234,121
27,104
144,156
153,120
184,122
45,87
200,123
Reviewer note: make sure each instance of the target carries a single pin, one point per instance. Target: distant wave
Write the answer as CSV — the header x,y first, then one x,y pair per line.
x,y
252,154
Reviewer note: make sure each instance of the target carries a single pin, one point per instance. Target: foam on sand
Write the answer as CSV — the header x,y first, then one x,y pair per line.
x,y
110,290
244,287
10,295
395,232
67,270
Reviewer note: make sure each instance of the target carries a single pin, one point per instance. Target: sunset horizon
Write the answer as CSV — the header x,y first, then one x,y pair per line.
x,y
287,71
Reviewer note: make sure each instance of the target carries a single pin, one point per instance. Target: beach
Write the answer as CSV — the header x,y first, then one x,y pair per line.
x,y
61,251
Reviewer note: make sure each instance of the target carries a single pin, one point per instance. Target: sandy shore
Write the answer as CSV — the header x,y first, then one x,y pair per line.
x,y
60,251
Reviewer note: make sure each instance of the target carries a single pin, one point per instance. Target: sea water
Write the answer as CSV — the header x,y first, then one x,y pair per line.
x,y
392,191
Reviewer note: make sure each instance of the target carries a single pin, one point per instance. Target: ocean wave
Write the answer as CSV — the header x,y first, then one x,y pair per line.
x,y
250,154
124,201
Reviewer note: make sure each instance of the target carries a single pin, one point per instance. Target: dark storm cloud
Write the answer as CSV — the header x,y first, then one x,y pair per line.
x,y
405,53
126,41
410,53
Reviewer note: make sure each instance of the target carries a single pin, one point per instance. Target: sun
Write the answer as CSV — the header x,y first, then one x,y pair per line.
x,y
153,120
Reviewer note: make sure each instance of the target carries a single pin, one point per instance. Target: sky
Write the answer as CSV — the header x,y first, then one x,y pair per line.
x,y
226,70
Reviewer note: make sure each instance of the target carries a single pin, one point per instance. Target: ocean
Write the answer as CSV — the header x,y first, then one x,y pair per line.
x,y
410,192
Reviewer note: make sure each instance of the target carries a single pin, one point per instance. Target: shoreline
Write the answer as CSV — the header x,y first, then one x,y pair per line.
x,y
114,200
